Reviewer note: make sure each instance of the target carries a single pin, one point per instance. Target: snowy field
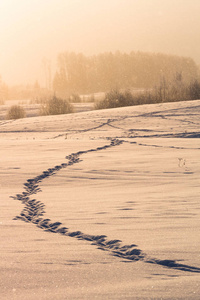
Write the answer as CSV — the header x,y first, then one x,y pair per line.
x,y
101,204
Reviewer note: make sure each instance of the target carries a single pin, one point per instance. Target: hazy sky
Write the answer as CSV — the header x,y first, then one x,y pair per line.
x,y
31,30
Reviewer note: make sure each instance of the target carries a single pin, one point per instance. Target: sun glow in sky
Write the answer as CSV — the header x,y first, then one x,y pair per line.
x,y
31,30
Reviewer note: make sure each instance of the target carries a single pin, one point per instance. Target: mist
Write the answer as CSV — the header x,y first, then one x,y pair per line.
x,y
33,30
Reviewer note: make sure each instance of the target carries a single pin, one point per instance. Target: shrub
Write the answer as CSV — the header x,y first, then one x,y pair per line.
x,y
116,99
164,92
56,106
16,112
194,90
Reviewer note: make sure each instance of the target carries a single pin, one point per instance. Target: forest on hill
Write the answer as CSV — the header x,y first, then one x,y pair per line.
x,y
80,74
77,74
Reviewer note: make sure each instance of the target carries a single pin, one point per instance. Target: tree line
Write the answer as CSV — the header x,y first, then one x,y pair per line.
x,y
80,74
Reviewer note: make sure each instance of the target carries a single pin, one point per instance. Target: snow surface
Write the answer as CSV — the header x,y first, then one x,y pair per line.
x,y
123,185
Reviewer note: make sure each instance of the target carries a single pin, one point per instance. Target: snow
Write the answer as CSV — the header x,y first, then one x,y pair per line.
x,y
139,188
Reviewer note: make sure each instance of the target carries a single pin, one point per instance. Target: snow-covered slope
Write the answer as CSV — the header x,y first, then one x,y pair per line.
x,y
102,204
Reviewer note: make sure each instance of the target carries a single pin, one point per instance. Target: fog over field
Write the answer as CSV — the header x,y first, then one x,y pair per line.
x,y
34,30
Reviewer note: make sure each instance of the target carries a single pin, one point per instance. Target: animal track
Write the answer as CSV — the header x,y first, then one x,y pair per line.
x,y
33,212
